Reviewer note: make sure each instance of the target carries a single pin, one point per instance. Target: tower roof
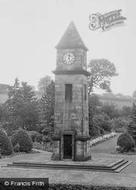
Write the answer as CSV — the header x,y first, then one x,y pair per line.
x,y
71,39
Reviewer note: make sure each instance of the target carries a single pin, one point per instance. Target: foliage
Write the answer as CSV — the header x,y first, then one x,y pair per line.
x,y
134,94
17,148
101,71
102,121
132,123
34,135
94,108
43,84
126,111
119,124
5,144
22,107
47,104
132,129
46,147
22,138
110,110
55,157
125,142
39,138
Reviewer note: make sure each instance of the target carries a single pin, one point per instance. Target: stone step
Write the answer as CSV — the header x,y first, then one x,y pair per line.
x,y
122,167
115,167
118,165
115,163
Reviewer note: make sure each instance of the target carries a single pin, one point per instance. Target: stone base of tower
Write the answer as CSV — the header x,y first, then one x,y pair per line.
x,y
82,152
72,147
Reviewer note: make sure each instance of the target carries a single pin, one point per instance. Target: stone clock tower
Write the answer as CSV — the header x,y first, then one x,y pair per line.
x,y
71,98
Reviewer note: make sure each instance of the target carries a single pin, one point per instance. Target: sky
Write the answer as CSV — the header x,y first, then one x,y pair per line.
x,y
30,30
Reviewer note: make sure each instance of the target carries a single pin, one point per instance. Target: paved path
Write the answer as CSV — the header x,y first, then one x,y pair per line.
x,y
108,146
126,178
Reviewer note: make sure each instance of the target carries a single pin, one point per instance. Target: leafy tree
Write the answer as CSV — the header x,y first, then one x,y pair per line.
x,y
132,124
22,106
110,110
94,108
102,121
101,72
126,111
43,83
119,124
134,94
47,104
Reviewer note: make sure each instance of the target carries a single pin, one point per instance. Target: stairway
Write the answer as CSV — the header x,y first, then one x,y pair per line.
x,y
115,167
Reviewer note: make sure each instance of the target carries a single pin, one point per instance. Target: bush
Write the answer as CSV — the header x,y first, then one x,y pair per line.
x,y
46,139
39,138
119,124
125,142
132,130
34,135
16,148
23,140
102,121
5,144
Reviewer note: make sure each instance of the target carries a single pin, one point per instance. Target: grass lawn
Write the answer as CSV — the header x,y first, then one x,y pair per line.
x,y
127,177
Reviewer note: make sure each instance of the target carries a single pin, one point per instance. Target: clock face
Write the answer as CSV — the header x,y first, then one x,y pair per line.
x,y
69,58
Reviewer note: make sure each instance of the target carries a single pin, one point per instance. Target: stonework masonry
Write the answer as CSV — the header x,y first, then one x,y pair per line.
x,y
71,131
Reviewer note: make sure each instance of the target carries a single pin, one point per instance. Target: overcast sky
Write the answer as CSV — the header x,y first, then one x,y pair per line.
x,y
30,29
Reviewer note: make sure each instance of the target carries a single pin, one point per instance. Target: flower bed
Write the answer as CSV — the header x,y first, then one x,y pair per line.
x,y
102,138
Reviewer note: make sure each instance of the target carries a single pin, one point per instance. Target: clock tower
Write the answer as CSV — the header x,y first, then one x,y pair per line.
x,y
71,131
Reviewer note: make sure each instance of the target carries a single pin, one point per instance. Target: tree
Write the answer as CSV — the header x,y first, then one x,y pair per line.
x,y
47,104
102,121
43,83
110,110
94,108
126,111
101,72
119,124
132,124
134,94
22,106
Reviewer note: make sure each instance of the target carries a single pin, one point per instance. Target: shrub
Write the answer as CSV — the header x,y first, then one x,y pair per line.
x,y
23,140
119,124
34,135
55,157
16,148
5,144
102,121
125,142
46,139
132,129
39,138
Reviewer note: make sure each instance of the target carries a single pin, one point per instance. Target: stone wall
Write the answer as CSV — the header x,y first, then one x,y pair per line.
x,y
71,116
